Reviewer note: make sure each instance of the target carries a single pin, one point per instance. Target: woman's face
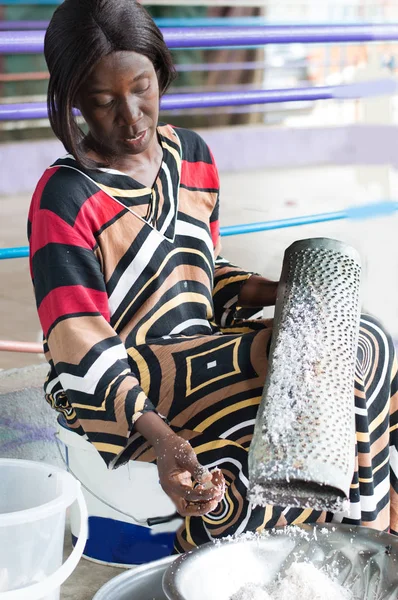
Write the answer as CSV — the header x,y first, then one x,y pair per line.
x,y
120,103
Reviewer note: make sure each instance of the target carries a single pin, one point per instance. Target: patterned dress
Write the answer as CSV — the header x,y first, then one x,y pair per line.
x,y
138,316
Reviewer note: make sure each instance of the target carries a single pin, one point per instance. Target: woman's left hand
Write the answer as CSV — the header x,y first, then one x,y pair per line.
x,y
194,489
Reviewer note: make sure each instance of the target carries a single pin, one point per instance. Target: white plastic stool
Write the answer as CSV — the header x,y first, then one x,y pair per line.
x,y
119,504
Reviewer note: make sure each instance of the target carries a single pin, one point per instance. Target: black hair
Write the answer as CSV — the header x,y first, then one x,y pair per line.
x,y
80,34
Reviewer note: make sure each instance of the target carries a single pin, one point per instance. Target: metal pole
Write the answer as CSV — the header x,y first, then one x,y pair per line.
x,y
366,211
23,42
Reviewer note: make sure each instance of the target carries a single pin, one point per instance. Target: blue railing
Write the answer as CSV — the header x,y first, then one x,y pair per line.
x,y
366,211
193,22
32,42
234,36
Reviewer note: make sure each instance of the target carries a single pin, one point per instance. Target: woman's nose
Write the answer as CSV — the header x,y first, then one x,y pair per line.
x,y
129,111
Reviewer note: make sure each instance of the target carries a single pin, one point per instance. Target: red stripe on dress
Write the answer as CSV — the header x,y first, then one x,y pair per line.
x,y
199,175
35,204
215,232
49,227
98,210
71,300
37,194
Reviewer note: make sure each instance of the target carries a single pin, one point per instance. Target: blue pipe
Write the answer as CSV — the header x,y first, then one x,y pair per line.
x,y
365,89
11,25
365,211
21,252
281,224
162,22
30,2
32,42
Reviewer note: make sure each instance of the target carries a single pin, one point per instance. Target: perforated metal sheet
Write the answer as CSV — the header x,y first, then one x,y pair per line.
x,y
302,453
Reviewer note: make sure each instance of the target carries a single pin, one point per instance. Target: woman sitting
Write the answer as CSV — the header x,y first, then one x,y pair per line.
x,y
148,358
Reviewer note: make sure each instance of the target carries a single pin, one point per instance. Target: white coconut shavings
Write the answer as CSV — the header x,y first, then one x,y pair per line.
x,y
307,533
300,357
302,581
252,592
271,494
289,455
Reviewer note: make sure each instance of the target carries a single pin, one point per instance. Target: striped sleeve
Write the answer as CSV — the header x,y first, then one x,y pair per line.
x,y
394,450
228,280
200,172
89,360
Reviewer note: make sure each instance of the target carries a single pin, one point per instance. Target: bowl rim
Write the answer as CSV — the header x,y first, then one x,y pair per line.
x,y
173,570
113,584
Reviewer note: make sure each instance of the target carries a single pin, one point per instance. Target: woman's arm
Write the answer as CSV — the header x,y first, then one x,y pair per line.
x,y
235,288
179,468
89,360
258,291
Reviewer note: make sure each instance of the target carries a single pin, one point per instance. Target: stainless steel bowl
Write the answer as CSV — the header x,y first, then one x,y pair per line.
x,y
140,583
366,562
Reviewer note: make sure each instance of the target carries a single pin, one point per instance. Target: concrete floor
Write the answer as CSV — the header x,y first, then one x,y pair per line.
x,y
87,578
17,306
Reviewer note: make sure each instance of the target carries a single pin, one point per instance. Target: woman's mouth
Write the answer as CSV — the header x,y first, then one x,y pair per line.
x,y
137,139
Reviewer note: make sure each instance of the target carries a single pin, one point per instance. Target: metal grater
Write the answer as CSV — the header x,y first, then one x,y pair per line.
x,y
303,448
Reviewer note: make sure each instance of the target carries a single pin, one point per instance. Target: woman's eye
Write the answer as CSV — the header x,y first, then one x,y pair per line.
x,y
142,90
103,104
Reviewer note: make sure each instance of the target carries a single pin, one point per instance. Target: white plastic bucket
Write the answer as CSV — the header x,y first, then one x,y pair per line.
x,y
119,502
33,502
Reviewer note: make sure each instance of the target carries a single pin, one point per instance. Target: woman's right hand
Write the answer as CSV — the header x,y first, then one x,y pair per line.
x,y
194,490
